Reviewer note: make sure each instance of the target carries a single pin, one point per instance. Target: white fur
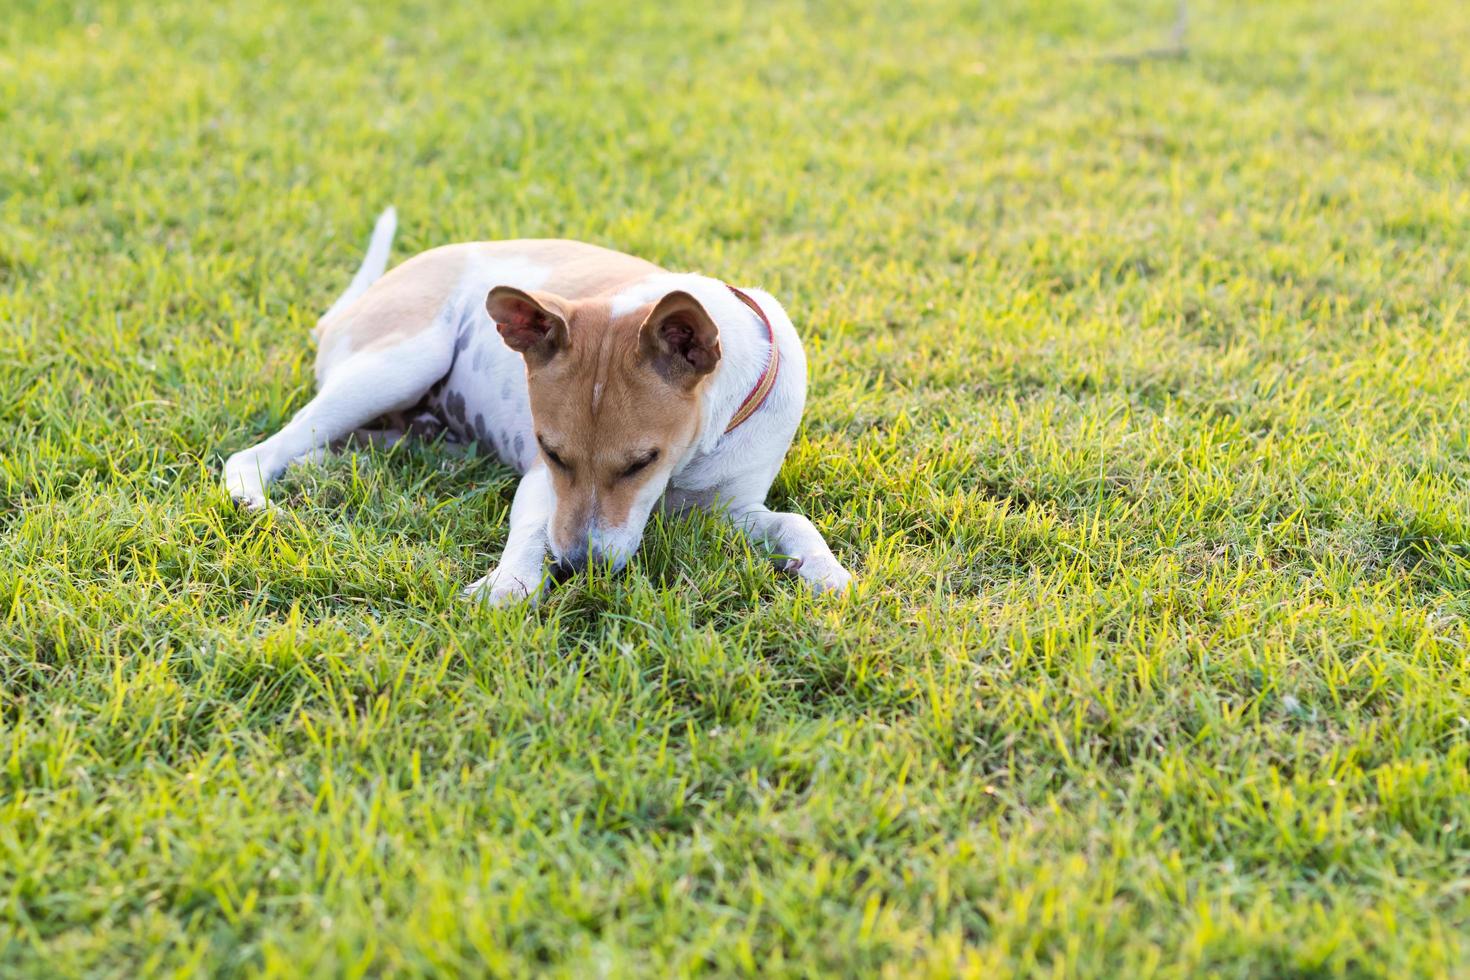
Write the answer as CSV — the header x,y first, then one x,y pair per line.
x,y
726,472
486,374
520,574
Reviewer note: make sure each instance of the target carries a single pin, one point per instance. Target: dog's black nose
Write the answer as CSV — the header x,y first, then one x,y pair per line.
x,y
569,563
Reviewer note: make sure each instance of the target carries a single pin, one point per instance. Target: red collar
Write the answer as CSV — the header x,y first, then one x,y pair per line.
x,y
767,380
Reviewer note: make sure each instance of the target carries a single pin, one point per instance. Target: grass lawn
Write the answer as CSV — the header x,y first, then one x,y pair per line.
x,y
1140,408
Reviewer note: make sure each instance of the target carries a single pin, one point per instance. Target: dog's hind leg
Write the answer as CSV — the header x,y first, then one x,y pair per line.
x,y
365,386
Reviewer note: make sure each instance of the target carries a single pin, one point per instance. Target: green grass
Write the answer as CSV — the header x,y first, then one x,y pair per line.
x,y
1140,407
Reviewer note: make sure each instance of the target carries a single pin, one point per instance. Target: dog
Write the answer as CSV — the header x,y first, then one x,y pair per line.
x,y
611,385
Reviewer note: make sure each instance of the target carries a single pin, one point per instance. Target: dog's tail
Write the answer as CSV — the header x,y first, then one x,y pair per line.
x,y
373,263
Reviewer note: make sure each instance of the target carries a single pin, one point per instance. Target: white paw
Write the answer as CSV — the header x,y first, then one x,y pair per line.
x,y
243,481
500,588
823,574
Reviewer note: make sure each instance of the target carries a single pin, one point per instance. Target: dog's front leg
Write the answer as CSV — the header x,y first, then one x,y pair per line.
x,y
521,573
798,539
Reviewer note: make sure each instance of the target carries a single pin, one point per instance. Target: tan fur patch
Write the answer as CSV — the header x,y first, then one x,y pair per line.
x,y
399,305
405,301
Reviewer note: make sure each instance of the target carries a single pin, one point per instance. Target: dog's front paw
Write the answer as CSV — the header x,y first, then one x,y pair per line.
x,y
501,588
244,481
822,574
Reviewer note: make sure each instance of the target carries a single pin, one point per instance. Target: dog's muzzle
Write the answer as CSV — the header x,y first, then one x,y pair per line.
x,y
593,551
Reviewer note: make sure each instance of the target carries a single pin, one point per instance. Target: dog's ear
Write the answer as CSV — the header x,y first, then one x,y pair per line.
x,y
535,324
680,339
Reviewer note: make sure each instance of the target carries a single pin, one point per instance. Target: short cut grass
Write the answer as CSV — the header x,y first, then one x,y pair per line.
x,y
1139,408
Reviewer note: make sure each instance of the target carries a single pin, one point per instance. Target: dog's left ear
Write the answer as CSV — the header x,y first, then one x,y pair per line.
x,y
680,339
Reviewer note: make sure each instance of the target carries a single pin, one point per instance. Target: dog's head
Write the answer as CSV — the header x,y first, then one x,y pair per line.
x,y
616,403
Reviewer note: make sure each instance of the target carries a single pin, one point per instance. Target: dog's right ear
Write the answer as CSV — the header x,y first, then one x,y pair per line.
x,y
535,324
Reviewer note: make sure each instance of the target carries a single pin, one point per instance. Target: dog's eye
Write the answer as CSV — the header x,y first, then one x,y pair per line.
x,y
556,460
637,465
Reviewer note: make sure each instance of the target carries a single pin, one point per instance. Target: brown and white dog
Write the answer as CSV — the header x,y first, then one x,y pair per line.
x,y
611,385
